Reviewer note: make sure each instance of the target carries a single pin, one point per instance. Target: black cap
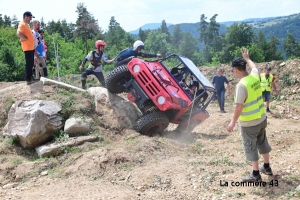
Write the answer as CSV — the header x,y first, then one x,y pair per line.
x,y
268,68
29,14
238,62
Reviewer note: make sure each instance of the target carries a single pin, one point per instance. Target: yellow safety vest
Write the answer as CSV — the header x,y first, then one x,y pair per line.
x,y
254,105
266,83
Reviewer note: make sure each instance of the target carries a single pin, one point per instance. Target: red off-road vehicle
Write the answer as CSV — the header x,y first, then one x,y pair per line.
x,y
160,89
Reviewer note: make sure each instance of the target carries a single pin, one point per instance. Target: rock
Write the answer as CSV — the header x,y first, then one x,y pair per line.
x,y
295,118
282,64
33,122
116,111
282,97
10,185
58,147
77,126
298,188
44,173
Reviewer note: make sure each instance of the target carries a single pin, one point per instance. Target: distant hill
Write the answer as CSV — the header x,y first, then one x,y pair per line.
x,y
277,26
151,26
189,26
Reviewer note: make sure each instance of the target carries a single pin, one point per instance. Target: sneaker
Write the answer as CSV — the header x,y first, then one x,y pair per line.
x,y
252,178
267,171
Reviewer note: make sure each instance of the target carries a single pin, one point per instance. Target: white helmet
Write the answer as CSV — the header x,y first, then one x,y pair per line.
x,y
137,44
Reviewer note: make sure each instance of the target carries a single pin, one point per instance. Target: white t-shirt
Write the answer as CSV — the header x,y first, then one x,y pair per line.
x,y
241,95
38,44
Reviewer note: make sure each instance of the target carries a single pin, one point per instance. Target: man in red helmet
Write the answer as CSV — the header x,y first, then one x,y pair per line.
x,y
95,67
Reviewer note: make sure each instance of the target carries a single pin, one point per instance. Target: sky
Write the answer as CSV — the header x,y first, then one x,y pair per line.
x,y
132,14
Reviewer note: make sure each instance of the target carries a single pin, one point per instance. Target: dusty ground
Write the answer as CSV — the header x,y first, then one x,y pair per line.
x,y
127,165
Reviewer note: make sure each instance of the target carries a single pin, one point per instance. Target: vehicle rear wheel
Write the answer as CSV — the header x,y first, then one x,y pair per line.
x,y
152,123
117,78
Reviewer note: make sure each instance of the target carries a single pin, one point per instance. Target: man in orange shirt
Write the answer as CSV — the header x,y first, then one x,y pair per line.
x,y
27,41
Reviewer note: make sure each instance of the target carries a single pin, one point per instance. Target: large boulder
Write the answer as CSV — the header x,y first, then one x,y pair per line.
x,y
116,112
33,122
78,126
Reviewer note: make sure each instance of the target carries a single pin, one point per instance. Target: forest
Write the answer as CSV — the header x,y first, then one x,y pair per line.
x,y
74,41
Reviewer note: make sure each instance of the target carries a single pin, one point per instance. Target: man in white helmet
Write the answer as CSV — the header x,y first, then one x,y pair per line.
x,y
127,54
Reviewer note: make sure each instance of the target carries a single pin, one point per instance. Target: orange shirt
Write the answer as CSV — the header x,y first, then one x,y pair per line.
x,y
28,44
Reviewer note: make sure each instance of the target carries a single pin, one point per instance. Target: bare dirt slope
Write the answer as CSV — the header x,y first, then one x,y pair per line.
x,y
127,165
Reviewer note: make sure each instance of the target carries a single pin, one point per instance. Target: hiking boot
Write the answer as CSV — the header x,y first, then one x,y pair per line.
x,y
83,82
223,111
252,178
31,81
267,171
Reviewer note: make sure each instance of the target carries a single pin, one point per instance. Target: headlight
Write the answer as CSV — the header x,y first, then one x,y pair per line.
x,y
161,100
136,68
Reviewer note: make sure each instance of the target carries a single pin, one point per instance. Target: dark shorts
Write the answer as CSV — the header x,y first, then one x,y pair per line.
x,y
255,140
266,95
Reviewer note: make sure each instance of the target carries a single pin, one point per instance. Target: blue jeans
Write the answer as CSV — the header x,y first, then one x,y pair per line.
x,y
221,99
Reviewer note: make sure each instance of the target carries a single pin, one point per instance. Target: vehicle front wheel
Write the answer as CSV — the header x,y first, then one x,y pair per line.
x,y
117,78
152,123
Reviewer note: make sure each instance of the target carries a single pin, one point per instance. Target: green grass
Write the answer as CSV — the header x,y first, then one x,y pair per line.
x,y
12,142
17,161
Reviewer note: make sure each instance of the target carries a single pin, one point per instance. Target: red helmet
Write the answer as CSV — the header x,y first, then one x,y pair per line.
x,y
99,43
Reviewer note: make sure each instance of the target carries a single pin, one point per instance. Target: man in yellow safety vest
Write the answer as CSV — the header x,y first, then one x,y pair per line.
x,y
267,81
250,110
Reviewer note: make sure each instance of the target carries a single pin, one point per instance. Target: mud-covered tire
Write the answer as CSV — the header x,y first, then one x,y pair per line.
x,y
116,79
152,123
184,129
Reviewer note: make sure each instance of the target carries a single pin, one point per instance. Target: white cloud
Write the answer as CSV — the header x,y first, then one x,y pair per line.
x,y
132,14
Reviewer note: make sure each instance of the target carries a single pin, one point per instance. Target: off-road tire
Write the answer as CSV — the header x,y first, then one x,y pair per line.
x,y
152,123
184,129
116,79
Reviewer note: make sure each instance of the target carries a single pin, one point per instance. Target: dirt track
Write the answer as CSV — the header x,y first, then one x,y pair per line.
x,y
127,165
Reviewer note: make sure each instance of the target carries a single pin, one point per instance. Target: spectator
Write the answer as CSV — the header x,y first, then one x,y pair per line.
x,y
267,81
249,109
39,50
127,54
218,81
41,32
27,41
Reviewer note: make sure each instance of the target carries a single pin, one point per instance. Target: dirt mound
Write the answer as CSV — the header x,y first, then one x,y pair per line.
x,y
127,165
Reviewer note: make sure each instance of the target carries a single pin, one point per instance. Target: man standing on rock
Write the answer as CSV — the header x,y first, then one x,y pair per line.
x,y
249,109
266,79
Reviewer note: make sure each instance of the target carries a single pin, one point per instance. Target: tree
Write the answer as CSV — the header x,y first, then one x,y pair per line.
x,y
188,46
1,21
157,43
212,33
43,24
117,37
15,22
240,35
86,25
142,35
272,47
291,46
176,36
202,29
7,21
164,29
